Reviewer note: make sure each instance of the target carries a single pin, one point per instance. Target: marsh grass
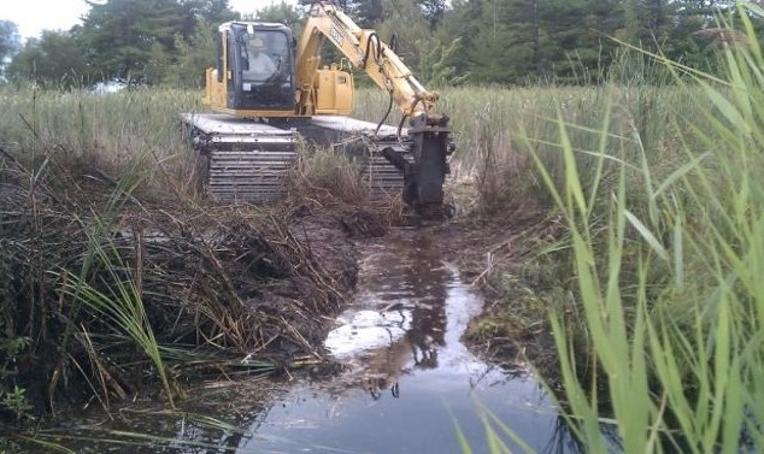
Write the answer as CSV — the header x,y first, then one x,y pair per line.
x,y
121,306
667,249
102,134
659,182
324,173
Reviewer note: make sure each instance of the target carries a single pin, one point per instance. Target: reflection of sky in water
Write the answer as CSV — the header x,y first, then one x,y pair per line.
x,y
367,330
409,377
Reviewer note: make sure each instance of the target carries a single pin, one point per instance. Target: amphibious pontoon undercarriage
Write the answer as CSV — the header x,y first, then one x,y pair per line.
x,y
242,160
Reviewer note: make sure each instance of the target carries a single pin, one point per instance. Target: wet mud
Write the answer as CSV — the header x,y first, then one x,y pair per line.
x,y
408,378
500,258
404,382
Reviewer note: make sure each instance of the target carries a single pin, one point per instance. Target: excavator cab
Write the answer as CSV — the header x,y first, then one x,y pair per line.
x,y
254,70
254,76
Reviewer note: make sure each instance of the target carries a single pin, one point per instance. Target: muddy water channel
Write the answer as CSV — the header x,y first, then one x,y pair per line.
x,y
406,381
409,379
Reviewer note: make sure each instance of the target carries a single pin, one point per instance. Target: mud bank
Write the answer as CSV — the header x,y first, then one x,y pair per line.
x,y
498,257
95,277
404,378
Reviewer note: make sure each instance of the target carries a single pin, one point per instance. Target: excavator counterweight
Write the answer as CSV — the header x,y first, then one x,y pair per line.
x,y
270,92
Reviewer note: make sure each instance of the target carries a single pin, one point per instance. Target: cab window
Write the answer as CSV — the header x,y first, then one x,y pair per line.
x,y
264,57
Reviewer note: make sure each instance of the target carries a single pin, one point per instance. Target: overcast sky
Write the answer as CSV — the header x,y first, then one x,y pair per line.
x,y
34,16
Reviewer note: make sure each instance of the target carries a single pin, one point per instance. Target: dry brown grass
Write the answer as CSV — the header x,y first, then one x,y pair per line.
x,y
216,282
323,174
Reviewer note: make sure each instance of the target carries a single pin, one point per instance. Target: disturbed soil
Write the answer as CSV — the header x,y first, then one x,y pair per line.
x,y
493,254
220,283
239,286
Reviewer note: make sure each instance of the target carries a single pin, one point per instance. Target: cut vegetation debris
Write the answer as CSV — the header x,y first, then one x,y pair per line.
x,y
110,286
649,259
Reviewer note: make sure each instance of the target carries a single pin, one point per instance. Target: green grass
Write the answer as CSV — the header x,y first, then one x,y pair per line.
x,y
105,131
121,307
667,250
659,178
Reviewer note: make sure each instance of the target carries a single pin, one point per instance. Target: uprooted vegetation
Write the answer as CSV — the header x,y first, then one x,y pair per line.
x,y
95,285
116,273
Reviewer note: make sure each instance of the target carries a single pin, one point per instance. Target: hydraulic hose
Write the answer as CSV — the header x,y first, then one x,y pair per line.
x,y
417,100
394,42
377,52
389,109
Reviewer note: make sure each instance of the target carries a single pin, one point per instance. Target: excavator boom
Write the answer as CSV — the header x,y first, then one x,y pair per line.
x,y
366,51
424,178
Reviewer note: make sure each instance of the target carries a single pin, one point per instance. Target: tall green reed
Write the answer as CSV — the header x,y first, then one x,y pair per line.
x,y
667,254
119,304
104,130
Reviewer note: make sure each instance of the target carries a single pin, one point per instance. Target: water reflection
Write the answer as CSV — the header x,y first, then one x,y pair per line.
x,y
405,290
407,379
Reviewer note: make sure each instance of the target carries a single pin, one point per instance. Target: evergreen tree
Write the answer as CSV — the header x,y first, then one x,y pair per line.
x,y
404,20
462,21
283,13
367,13
503,48
10,42
657,19
436,66
433,10
193,57
444,42
209,12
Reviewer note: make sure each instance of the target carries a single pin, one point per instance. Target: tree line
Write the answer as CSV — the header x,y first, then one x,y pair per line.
x,y
170,42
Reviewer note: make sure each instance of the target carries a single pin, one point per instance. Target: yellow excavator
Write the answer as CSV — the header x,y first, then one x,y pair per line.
x,y
269,92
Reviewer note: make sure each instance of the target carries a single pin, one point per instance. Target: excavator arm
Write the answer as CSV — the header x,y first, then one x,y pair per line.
x,y
366,51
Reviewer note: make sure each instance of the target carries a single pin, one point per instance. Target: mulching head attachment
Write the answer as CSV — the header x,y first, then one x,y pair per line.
x,y
424,178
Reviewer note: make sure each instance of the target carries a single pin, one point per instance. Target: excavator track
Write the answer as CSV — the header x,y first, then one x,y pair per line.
x,y
364,142
381,178
240,160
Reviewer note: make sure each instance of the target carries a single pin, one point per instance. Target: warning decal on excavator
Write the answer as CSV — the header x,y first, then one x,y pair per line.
x,y
336,35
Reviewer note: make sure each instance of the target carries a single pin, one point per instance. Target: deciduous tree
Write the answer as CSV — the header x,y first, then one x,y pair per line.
x,y
55,60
